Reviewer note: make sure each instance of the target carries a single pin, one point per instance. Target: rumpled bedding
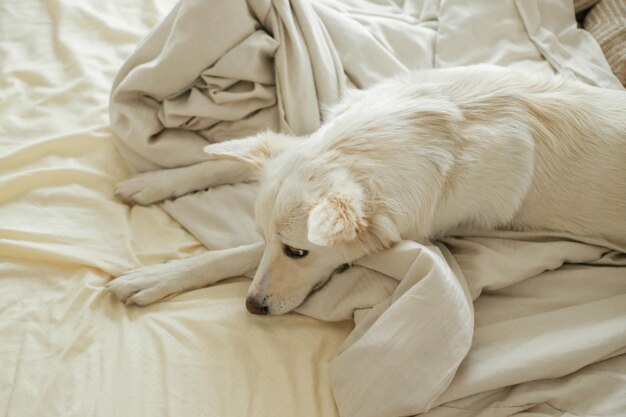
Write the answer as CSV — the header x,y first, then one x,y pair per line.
x,y
68,347
496,324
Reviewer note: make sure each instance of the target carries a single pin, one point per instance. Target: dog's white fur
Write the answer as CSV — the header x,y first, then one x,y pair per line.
x,y
413,157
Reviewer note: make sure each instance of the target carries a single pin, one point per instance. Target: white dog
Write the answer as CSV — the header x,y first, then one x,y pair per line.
x,y
413,157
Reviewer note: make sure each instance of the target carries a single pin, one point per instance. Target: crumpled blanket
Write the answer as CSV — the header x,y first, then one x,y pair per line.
x,y
494,324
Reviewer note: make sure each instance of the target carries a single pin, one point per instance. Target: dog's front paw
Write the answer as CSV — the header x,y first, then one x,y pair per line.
x,y
145,189
146,285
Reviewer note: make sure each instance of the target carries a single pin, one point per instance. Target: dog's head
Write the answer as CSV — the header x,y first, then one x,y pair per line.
x,y
312,214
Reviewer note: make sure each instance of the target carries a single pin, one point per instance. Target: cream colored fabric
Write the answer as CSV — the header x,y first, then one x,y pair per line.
x,y
68,348
443,330
543,343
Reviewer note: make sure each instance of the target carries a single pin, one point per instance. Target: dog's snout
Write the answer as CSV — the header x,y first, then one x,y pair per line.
x,y
256,307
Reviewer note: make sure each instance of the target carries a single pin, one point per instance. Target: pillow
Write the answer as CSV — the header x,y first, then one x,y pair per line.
x,y
607,24
580,5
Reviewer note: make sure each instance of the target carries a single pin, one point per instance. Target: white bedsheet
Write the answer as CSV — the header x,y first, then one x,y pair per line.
x,y
495,324
547,329
67,347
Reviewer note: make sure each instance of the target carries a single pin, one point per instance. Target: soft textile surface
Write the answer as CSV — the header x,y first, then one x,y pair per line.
x,y
67,347
497,324
549,324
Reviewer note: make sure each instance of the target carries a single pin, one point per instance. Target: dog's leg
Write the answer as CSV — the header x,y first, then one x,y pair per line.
x,y
152,187
152,283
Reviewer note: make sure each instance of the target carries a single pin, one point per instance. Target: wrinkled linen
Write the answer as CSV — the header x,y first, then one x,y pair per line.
x,y
493,325
67,346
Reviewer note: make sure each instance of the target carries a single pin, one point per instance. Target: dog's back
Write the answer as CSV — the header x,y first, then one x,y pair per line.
x,y
580,162
579,132
511,149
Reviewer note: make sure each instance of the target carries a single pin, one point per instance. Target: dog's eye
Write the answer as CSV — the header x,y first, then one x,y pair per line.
x,y
294,253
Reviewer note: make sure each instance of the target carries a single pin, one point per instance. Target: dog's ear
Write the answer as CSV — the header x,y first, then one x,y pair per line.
x,y
253,151
338,218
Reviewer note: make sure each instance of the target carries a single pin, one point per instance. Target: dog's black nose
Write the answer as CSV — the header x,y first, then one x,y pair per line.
x,y
255,307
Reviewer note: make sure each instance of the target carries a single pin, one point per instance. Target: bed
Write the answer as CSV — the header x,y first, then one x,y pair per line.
x,y
525,324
